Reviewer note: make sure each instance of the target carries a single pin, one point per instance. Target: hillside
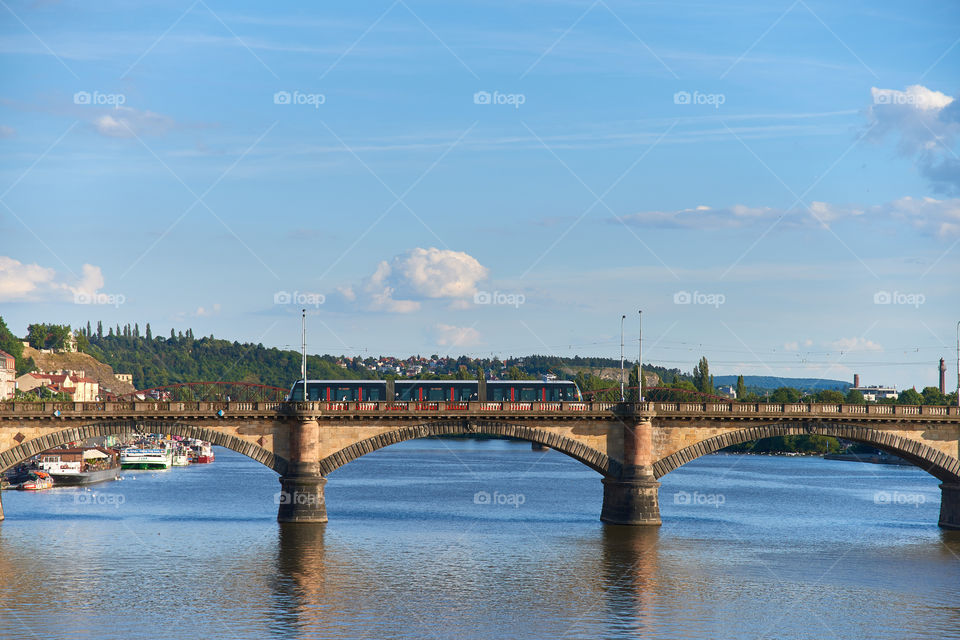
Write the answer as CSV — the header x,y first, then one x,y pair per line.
x,y
650,378
93,368
772,382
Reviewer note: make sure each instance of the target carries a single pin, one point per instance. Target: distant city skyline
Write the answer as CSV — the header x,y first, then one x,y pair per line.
x,y
776,187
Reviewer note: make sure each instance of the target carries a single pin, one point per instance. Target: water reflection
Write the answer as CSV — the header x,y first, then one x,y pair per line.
x,y
300,581
630,571
798,548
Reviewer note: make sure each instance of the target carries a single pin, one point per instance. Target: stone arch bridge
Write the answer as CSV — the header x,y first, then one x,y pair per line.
x,y
630,445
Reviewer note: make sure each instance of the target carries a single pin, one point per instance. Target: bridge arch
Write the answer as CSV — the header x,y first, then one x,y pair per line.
x,y
30,448
938,464
589,456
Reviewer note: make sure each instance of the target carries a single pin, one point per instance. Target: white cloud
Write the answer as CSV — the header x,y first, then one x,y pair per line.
x,y
90,282
855,344
203,312
125,122
34,283
401,285
20,281
7,132
927,124
451,336
937,217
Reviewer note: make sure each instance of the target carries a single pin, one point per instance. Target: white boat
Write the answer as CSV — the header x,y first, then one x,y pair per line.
x,y
159,456
85,465
180,457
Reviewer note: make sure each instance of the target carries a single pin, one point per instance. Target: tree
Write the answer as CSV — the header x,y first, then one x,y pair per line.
x,y
514,373
854,397
785,395
829,396
48,336
633,394
27,366
741,388
910,396
702,379
9,342
99,330
149,333
932,395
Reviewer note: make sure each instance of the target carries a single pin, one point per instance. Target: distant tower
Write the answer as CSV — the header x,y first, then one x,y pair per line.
x,y
943,376
856,381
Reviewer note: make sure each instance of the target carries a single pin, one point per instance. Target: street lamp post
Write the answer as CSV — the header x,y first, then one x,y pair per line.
x,y
640,360
303,355
958,364
622,318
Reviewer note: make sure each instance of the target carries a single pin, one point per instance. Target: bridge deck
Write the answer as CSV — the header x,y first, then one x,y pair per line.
x,y
324,411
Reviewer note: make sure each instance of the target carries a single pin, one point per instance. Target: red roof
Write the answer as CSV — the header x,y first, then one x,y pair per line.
x,y
55,378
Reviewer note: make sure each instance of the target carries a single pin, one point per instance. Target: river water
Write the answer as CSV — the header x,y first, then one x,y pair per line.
x,y
484,539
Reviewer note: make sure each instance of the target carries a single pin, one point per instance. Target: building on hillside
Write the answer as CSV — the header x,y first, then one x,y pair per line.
x,y
124,377
70,346
8,375
874,393
75,383
727,390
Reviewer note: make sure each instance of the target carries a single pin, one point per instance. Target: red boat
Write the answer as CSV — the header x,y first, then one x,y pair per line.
x,y
201,452
37,481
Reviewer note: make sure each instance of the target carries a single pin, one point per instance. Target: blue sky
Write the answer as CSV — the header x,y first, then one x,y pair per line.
x,y
775,185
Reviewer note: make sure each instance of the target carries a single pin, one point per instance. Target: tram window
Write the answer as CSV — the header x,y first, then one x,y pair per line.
x,y
314,392
528,394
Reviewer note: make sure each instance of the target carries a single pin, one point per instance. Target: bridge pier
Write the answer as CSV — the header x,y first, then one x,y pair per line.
x,y
949,506
301,496
633,498
301,499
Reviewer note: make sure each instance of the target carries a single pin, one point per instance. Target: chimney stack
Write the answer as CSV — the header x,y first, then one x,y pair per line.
x,y
943,376
856,381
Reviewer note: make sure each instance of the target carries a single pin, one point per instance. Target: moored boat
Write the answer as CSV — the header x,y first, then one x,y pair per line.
x,y
84,465
155,456
36,481
180,457
202,451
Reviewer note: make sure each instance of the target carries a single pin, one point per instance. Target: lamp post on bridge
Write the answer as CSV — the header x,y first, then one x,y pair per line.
x,y
622,318
958,364
640,360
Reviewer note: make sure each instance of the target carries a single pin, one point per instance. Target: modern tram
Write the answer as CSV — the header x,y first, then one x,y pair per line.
x,y
436,391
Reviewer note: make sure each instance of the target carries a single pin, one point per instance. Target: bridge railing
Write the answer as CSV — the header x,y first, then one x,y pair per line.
x,y
711,408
